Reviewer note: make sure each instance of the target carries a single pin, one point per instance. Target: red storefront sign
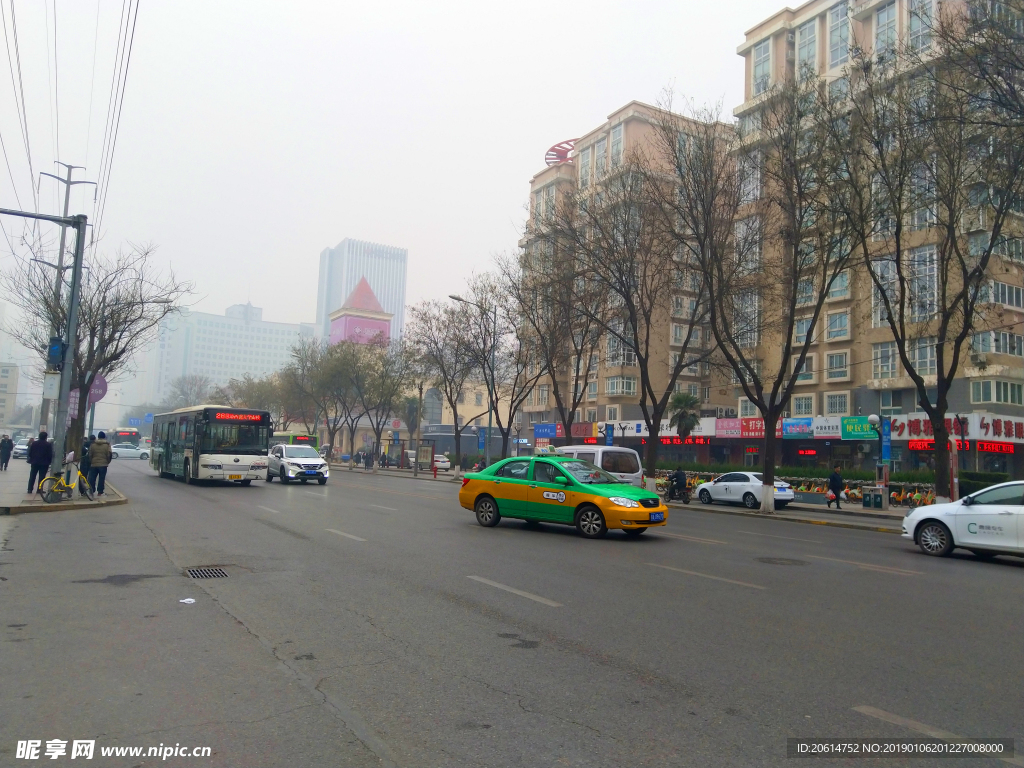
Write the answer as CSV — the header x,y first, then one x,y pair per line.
x,y
987,447
754,428
691,440
929,445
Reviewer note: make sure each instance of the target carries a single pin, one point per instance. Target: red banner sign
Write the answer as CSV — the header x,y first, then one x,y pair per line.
x,y
987,447
929,445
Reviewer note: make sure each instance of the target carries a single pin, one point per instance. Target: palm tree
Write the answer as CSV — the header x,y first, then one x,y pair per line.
x,y
685,410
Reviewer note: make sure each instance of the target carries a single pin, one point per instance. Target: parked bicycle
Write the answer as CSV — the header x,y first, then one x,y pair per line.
x,y
54,489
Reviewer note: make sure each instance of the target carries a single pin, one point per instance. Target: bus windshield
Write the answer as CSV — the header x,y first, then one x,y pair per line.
x,y
234,438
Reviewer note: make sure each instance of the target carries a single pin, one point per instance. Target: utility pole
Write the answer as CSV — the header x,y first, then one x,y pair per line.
x,y
44,411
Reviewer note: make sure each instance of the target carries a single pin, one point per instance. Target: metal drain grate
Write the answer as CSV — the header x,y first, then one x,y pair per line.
x,y
206,573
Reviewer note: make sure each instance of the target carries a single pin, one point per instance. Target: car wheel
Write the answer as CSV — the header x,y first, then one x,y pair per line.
x,y
284,477
705,496
487,512
590,523
143,455
188,474
634,532
935,539
984,554
113,455
321,480
750,501
270,477
246,482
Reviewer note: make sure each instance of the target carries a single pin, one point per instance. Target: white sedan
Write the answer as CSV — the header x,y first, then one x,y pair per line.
x,y
987,523
128,451
443,463
743,488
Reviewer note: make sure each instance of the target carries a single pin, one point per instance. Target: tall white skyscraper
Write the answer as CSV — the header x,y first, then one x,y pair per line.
x,y
341,268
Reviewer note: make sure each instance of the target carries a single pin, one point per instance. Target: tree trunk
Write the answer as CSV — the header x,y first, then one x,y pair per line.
x,y
942,479
504,443
457,459
651,454
771,443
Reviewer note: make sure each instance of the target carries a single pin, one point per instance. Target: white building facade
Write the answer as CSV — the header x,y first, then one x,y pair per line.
x,y
341,268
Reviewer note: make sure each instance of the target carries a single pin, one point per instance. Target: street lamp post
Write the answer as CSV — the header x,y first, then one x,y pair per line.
x,y
491,395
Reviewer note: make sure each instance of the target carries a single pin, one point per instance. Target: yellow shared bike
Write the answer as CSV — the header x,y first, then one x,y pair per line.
x,y
54,489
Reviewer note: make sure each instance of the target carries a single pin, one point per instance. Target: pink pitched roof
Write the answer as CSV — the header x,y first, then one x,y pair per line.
x,y
362,298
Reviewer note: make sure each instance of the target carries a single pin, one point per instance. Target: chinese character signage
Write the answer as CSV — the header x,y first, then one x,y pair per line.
x,y
728,428
857,428
798,429
827,427
548,430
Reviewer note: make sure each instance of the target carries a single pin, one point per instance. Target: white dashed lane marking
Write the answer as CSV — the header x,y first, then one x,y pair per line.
x,y
346,535
787,538
707,576
514,591
871,566
268,509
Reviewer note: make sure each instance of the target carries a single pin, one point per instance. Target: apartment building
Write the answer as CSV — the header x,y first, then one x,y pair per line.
x,y
854,369
9,377
612,381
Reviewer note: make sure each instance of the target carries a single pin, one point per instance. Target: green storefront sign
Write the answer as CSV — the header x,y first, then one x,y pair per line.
x,y
858,428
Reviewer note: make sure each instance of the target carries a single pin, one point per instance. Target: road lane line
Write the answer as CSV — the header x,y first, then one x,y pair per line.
x,y
706,576
268,509
788,538
378,506
927,730
515,591
691,538
871,566
377,489
314,493
342,533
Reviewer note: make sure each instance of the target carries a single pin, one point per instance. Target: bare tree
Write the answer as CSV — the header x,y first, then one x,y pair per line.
x,y
931,185
437,333
265,393
495,325
122,301
188,390
308,377
642,289
757,216
381,387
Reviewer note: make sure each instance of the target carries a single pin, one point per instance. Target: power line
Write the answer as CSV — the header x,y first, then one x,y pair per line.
x,y
56,78
20,104
92,80
111,100
49,78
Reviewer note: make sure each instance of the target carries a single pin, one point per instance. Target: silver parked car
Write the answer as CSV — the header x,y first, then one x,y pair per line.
x,y
128,451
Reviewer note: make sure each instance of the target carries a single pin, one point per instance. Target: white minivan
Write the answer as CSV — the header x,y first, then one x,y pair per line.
x,y
624,463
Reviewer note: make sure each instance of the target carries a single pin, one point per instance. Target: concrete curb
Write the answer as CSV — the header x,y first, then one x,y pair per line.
x,y
67,506
407,474
787,518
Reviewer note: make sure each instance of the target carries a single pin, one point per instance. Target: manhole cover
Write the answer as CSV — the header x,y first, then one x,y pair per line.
x,y
206,573
780,561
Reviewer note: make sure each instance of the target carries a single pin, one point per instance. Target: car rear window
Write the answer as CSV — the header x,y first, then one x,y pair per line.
x,y
588,456
620,462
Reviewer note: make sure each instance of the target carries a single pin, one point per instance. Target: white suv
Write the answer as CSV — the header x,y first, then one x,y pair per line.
x,y
296,462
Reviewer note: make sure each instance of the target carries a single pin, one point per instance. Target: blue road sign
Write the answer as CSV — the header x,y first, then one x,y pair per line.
x,y
134,422
886,438
148,418
609,434
481,440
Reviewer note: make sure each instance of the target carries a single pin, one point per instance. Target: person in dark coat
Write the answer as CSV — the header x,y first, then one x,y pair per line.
x,y
6,448
84,465
40,454
835,485
368,461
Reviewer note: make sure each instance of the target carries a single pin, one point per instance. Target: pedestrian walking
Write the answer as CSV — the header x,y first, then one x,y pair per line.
x,y
465,462
84,465
368,461
40,454
99,460
835,486
6,448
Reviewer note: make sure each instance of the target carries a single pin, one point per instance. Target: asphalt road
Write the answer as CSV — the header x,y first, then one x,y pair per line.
x,y
373,622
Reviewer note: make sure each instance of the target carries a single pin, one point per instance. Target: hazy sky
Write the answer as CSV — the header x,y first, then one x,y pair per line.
x,y
255,134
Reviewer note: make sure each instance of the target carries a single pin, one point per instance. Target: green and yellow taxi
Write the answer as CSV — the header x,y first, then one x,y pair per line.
x,y
560,489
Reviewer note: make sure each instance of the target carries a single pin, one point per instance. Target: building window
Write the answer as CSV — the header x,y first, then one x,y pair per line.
x,y
612,412
1009,343
838,365
750,177
889,406
542,394
805,291
921,353
981,342
884,359
591,414
837,403
920,38
802,327
479,399
840,288
746,318
600,158
803,405
616,146
807,49
762,66
1010,295
747,243
838,35
1006,392
747,409
923,283
620,385
584,161
678,333
838,325
885,30
591,390
693,390
885,272
549,202
805,372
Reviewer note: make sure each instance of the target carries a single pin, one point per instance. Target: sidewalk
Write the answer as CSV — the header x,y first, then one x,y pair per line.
x,y
14,500
882,522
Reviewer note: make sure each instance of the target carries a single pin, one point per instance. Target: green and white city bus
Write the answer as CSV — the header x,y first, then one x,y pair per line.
x,y
211,442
